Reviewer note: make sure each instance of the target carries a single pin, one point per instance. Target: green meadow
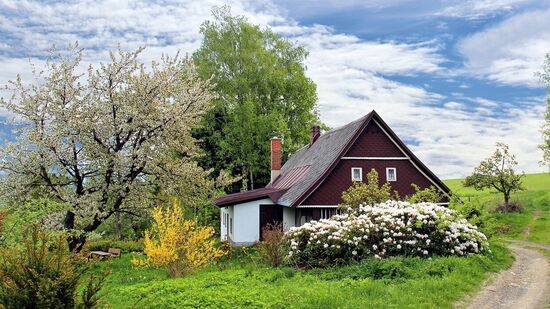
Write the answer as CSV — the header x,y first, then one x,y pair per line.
x,y
243,281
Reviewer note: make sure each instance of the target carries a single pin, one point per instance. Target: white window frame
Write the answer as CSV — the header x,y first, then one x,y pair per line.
x,y
388,174
360,173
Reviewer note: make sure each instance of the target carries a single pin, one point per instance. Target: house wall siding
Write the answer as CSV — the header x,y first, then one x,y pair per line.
x,y
373,142
330,191
246,220
289,218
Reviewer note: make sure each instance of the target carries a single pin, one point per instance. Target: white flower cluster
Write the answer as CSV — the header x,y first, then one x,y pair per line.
x,y
393,228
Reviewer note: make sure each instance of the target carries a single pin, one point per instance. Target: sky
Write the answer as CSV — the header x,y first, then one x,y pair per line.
x,y
451,78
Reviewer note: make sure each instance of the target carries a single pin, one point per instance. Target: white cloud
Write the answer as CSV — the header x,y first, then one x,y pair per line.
x,y
511,51
353,76
474,9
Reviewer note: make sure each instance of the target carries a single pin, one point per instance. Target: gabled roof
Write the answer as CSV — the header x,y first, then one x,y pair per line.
x,y
309,166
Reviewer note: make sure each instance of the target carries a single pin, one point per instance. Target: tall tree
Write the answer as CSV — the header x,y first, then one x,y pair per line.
x,y
497,172
262,90
103,141
544,76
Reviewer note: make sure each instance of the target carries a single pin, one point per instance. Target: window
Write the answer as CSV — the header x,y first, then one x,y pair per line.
x,y
303,216
231,225
391,174
326,213
356,174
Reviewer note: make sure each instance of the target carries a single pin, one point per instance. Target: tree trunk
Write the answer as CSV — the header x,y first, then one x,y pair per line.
x,y
76,242
117,225
68,224
507,202
251,180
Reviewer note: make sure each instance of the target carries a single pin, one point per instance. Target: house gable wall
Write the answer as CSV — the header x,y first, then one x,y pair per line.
x,y
330,191
373,142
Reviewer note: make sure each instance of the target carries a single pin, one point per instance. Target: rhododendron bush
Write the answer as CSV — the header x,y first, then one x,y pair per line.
x,y
393,228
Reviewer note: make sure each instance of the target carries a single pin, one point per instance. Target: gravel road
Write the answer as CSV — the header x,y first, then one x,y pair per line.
x,y
525,285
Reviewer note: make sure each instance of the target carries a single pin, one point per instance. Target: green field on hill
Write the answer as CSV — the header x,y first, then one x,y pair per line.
x,y
535,200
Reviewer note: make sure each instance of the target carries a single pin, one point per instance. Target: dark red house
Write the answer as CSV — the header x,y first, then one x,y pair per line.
x,y
309,185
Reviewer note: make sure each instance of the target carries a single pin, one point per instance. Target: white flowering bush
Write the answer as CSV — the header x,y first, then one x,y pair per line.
x,y
393,228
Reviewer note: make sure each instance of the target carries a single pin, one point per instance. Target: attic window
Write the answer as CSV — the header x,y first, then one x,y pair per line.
x,y
391,174
356,174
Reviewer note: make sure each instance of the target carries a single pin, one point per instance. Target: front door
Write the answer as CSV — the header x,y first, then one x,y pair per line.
x,y
270,214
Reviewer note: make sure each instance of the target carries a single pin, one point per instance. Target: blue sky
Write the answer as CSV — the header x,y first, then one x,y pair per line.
x,y
451,77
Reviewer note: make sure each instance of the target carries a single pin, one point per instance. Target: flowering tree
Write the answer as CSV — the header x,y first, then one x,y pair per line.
x,y
497,172
393,228
103,141
175,243
545,146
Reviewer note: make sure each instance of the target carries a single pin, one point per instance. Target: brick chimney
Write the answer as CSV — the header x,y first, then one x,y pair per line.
x,y
276,157
315,133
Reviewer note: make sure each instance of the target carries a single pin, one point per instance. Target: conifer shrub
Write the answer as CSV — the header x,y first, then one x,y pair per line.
x,y
41,272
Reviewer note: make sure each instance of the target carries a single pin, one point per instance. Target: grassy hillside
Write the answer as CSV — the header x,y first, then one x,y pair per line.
x,y
532,182
535,200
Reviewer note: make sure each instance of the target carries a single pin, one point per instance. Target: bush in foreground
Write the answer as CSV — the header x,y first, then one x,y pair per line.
x,y
383,230
270,249
179,245
41,272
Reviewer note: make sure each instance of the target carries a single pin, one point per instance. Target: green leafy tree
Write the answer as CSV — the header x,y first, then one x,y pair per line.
x,y
497,172
545,146
262,91
368,193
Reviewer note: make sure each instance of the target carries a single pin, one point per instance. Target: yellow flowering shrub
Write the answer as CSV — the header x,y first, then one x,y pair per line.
x,y
180,245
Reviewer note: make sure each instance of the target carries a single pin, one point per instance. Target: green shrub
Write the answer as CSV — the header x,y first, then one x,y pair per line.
x,y
429,195
104,245
475,212
368,193
42,273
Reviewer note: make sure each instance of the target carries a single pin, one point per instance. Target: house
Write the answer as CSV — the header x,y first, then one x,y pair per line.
x,y
309,185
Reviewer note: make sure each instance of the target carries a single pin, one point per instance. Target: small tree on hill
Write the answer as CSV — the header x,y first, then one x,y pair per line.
x,y
497,172
369,193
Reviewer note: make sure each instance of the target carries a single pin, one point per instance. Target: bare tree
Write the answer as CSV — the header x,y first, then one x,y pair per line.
x,y
497,172
105,140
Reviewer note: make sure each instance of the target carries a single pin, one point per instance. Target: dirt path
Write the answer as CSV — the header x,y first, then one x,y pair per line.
x,y
527,231
525,285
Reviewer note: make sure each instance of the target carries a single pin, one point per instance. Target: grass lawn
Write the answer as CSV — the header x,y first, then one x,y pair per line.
x,y
396,282
390,283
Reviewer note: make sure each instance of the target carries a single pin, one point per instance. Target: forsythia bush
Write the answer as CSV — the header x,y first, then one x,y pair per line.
x,y
387,229
175,243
